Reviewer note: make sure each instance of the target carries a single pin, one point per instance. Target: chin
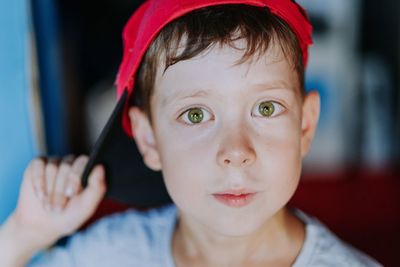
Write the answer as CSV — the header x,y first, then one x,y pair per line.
x,y
236,228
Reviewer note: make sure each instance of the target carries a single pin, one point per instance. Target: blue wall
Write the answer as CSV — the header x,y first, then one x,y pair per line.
x,y
17,140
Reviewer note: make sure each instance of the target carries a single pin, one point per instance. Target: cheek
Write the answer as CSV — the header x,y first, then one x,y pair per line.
x,y
281,152
283,146
185,161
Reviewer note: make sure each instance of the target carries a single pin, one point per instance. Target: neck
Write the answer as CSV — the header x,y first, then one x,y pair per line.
x,y
280,236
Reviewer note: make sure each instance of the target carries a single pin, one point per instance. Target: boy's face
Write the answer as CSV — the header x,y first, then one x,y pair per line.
x,y
236,145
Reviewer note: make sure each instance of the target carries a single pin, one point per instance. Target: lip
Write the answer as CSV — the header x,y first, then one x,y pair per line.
x,y
235,198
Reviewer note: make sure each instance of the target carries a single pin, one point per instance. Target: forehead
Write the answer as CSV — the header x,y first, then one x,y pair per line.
x,y
219,70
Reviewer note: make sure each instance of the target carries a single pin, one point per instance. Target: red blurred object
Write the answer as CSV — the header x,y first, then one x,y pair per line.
x,y
362,208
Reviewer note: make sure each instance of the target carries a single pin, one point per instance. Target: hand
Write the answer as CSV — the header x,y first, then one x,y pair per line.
x,y
52,203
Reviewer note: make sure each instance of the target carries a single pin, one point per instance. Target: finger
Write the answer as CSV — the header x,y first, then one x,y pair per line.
x,y
58,197
51,170
93,193
36,172
74,178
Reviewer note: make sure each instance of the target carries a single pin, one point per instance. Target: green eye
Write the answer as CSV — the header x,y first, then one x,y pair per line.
x,y
195,115
266,109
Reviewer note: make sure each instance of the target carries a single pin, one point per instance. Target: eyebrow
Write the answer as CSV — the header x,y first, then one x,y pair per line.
x,y
272,85
202,92
183,95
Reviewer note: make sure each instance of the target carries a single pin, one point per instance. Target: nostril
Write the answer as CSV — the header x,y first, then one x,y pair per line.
x,y
244,162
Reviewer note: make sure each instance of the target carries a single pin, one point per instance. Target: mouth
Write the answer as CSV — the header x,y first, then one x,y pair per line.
x,y
235,198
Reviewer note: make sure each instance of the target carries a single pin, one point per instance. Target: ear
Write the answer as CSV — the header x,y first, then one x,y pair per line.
x,y
310,115
144,138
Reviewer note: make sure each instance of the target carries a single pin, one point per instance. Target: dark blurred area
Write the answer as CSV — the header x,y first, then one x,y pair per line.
x,y
351,179
91,40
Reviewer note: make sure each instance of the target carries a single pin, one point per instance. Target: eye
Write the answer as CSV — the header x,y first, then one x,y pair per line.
x,y
195,115
268,109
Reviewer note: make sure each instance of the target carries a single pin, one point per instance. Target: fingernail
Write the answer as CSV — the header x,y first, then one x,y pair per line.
x,y
69,192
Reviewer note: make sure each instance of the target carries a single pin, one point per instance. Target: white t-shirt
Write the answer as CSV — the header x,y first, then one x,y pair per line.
x,y
143,239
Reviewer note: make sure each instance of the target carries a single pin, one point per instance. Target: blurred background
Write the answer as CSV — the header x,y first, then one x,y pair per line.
x,y
59,59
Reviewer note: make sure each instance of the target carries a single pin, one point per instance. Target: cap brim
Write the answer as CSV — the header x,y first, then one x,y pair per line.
x,y
127,177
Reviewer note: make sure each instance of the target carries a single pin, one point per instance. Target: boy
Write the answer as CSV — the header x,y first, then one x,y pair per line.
x,y
220,108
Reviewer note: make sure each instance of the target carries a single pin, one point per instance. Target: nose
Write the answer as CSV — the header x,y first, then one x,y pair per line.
x,y
236,151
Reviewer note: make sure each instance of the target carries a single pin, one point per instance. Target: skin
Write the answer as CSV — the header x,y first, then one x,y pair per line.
x,y
234,147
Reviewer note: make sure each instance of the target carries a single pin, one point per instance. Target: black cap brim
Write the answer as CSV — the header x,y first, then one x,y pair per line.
x,y
127,177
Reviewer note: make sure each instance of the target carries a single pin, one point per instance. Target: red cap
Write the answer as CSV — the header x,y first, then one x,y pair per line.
x,y
153,15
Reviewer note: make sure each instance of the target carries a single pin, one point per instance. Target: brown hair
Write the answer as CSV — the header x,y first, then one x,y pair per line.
x,y
201,29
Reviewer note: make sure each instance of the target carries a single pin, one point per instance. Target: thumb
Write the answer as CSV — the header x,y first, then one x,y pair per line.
x,y
91,196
